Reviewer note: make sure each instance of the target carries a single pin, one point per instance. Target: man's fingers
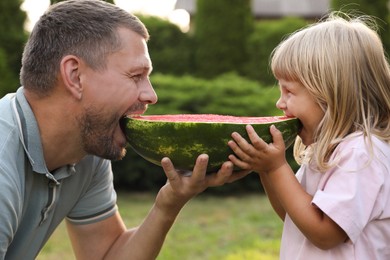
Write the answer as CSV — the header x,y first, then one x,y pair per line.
x,y
240,163
168,168
222,176
238,175
200,167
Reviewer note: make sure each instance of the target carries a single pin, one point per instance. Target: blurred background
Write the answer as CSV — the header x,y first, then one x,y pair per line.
x,y
208,57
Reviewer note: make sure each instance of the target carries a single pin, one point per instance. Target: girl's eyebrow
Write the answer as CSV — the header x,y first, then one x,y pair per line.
x,y
283,85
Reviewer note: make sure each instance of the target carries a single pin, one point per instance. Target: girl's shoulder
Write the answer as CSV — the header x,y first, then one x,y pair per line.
x,y
358,140
372,147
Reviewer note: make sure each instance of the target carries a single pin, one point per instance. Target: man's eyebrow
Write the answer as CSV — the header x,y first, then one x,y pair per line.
x,y
147,67
144,68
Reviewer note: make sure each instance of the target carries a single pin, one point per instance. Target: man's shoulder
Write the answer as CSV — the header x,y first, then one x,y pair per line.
x,y
6,107
9,136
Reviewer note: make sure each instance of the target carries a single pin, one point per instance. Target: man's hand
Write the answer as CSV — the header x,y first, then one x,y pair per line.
x,y
180,188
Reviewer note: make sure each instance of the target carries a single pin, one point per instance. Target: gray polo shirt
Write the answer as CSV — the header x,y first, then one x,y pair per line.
x,y
33,201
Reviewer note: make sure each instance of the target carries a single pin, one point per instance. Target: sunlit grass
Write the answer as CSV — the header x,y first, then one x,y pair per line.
x,y
208,228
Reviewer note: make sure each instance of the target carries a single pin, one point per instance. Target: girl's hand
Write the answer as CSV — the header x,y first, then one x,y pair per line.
x,y
258,156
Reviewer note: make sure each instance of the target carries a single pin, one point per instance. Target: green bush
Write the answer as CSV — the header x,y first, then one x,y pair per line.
x,y
170,49
222,31
230,45
12,39
228,94
9,81
378,9
266,36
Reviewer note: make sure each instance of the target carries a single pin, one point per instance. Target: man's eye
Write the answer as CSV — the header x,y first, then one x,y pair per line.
x,y
137,78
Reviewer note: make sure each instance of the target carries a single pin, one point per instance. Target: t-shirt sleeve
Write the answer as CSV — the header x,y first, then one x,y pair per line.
x,y
350,191
11,196
98,202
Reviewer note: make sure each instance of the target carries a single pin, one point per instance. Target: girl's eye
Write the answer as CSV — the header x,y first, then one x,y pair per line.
x,y
285,91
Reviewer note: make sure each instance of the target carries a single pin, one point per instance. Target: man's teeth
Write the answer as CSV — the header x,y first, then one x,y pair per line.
x,y
131,115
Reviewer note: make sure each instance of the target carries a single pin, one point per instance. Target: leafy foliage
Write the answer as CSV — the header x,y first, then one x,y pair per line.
x,y
222,32
379,9
170,49
12,39
228,94
266,36
178,53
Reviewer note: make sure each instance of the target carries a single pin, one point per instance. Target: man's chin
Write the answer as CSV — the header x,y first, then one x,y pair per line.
x,y
113,155
122,155
117,156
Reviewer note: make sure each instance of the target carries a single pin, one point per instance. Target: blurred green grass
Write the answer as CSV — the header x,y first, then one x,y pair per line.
x,y
235,227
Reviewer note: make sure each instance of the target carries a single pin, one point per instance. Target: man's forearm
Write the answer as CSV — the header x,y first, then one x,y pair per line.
x,y
145,241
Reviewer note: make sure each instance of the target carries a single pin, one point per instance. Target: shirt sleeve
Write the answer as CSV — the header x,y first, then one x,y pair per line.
x,y
350,190
11,197
98,202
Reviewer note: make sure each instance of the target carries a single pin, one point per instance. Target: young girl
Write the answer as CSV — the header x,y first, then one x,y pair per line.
x,y
334,77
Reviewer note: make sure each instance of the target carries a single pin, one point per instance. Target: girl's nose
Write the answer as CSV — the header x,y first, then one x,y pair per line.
x,y
280,104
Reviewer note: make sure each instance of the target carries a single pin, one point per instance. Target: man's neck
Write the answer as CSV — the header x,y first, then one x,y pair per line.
x,y
56,116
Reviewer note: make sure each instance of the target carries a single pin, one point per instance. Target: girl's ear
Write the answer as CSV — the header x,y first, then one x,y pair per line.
x,y
70,72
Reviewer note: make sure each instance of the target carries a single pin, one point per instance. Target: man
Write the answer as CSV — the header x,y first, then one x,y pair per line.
x,y
84,67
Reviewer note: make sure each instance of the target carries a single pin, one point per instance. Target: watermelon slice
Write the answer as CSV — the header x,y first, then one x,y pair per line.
x,y
184,137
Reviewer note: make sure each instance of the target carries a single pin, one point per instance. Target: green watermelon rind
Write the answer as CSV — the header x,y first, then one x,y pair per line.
x,y
154,140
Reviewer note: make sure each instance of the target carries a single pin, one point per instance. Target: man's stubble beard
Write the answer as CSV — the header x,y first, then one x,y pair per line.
x,y
97,135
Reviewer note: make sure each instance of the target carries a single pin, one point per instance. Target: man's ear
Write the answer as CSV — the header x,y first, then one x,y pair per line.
x,y
70,72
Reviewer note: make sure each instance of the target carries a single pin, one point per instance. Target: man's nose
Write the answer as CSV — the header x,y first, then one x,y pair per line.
x,y
147,94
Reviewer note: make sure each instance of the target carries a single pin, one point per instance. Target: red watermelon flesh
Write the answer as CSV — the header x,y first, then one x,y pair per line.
x,y
211,118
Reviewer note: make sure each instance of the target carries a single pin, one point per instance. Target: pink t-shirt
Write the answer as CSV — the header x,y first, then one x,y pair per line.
x,y
356,195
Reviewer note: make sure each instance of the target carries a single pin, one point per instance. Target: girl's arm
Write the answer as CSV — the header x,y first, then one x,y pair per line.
x,y
321,230
272,196
270,159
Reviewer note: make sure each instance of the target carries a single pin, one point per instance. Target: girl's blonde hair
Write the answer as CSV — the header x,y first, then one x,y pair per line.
x,y
341,62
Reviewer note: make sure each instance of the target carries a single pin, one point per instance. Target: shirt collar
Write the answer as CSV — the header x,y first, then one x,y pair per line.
x,y
32,138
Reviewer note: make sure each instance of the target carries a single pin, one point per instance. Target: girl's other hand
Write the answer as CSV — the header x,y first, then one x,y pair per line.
x,y
258,155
